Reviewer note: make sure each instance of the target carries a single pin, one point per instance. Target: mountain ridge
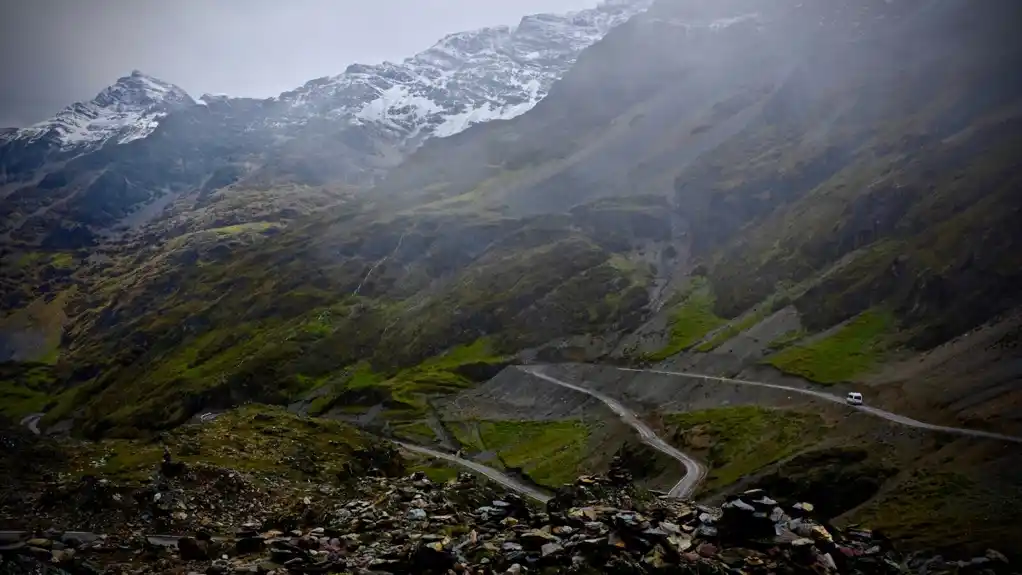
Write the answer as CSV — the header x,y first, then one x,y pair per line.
x,y
349,128
440,91
127,110
637,211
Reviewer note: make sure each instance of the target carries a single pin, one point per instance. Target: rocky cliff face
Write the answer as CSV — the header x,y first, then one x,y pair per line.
x,y
464,79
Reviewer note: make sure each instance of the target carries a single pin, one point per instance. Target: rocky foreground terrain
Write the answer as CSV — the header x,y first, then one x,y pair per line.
x,y
374,517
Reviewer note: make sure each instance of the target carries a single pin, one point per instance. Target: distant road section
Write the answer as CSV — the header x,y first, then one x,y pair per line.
x,y
505,480
32,422
900,419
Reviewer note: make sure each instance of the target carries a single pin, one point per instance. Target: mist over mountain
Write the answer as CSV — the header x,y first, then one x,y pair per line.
x,y
817,196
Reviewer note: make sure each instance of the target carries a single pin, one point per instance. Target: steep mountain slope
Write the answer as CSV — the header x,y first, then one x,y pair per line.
x,y
76,176
791,137
341,306
465,79
851,158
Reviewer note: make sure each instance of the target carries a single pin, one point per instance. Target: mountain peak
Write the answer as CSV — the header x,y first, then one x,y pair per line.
x,y
465,78
139,89
127,110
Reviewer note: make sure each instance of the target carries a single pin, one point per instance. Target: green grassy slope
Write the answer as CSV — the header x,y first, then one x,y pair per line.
x,y
690,320
871,188
850,352
739,441
263,440
550,453
425,302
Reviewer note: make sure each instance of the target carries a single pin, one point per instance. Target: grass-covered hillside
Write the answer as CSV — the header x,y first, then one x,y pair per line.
x,y
354,307
850,157
853,159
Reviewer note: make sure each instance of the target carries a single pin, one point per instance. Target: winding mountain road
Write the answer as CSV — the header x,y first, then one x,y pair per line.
x,y
694,471
506,481
32,422
894,417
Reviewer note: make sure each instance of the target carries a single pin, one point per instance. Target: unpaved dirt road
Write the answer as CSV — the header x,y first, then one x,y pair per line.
x,y
694,470
900,419
505,480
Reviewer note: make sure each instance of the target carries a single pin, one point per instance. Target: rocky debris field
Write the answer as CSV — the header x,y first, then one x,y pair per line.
x,y
413,525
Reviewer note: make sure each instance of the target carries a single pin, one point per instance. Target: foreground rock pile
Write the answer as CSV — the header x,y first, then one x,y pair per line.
x,y
412,525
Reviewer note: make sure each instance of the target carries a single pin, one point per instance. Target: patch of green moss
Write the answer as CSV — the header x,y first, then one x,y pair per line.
x,y
28,259
416,431
17,401
852,351
444,372
690,321
934,509
466,433
363,376
254,438
349,383
44,319
320,405
25,389
62,260
436,471
65,403
738,441
406,391
242,228
549,452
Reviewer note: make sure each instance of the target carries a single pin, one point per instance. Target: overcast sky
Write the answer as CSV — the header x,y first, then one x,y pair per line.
x,y
54,52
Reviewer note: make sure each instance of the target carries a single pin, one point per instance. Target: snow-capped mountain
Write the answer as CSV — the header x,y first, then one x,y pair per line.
x,y
464,79
351,128
128,110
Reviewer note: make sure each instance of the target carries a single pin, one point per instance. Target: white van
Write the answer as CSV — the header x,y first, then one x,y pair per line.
x,y
854,398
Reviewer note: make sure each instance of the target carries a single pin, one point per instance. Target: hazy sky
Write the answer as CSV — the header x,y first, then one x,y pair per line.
x,y
54,52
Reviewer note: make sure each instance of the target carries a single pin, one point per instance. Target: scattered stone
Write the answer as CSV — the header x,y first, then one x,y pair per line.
x,y
62,555
550,549
707,550
384,524
996,556
536,538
